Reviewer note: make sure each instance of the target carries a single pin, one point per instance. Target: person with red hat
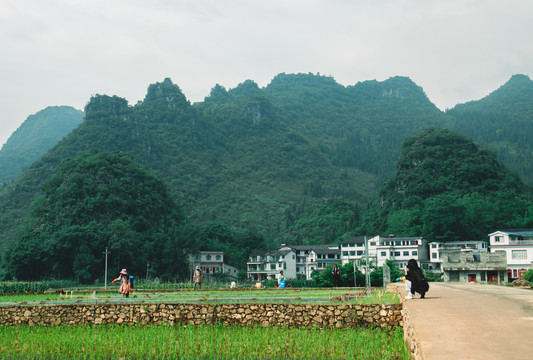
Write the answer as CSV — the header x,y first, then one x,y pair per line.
x,y
125,287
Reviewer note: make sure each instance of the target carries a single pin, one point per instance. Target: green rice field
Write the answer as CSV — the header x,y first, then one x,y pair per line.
x,y
311,295
198,342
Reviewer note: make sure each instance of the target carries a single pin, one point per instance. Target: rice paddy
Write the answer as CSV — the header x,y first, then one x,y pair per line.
x,y
205,342
336,295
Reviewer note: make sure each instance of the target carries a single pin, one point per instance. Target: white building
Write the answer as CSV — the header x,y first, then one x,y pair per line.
x,y
401,250
266,265
353,250
313,257
518,246
212,264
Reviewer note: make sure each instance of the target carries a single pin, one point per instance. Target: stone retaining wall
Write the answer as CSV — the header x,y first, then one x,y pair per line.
x,y
387,316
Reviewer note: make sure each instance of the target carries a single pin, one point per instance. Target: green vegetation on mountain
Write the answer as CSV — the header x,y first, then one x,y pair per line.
x,y
446,188
95,201
35,137
299,160
502,122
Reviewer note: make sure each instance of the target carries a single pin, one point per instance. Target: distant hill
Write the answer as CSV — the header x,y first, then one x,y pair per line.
x,y
37,134
447,188
502,122
255,159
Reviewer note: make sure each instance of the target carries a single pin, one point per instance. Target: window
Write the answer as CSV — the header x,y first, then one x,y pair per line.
x,y
406,253
360,252
218,257
345,253
498,238
384,253
433,246
434,255
414,253
293,257
519,254
372,243
352,253
208,257
396,253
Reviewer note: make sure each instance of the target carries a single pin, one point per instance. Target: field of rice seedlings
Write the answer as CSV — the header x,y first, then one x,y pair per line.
x,y
310,295
205,342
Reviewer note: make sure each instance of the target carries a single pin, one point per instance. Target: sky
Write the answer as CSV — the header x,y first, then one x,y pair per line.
x,y
61,52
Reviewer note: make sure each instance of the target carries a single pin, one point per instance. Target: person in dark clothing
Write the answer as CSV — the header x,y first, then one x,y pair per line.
x,y
336,272
415,280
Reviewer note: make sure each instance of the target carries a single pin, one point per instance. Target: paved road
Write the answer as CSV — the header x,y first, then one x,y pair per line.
x,y
473,321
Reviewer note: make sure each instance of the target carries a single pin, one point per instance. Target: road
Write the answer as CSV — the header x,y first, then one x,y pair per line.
x,y
473,321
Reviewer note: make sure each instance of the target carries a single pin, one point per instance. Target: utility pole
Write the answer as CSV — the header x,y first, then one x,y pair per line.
x,y
105,272
147,266
367,272
355,276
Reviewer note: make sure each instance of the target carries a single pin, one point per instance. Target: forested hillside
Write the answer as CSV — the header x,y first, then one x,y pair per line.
x,y
100,200
502,122
37,134
447,188
297,161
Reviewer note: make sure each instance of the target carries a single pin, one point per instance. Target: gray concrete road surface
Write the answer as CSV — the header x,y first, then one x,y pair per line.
x,y
473,321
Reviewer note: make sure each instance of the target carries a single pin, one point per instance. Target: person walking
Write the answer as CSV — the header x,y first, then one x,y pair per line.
x,y
336,272
197,277
415,282
125,287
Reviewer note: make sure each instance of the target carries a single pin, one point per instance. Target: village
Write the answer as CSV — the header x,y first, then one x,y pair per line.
x,y
505,257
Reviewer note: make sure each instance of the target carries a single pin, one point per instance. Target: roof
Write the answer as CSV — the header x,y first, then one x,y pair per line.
x,y
354,240
526,232
315,248
270,252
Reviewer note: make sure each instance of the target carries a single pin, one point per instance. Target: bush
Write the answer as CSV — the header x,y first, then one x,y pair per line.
x,y
433,277
17,287
529,275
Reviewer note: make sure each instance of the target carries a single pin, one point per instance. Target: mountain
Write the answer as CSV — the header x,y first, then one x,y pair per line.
x,y
447,188
502,122
100,200
265,161
37,134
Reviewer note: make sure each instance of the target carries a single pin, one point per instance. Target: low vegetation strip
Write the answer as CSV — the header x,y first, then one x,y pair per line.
x,y
205,342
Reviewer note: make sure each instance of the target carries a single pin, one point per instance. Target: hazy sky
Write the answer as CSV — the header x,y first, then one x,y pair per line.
x,y
60,52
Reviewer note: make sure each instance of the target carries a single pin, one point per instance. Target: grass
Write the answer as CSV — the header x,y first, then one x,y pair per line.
x,y
311,295
205,342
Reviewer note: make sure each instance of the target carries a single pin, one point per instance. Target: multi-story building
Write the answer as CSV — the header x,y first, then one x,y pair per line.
x,y
296,261
518,248
401,249
266,265
438,249
473,266
313,257
212,264
353,250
